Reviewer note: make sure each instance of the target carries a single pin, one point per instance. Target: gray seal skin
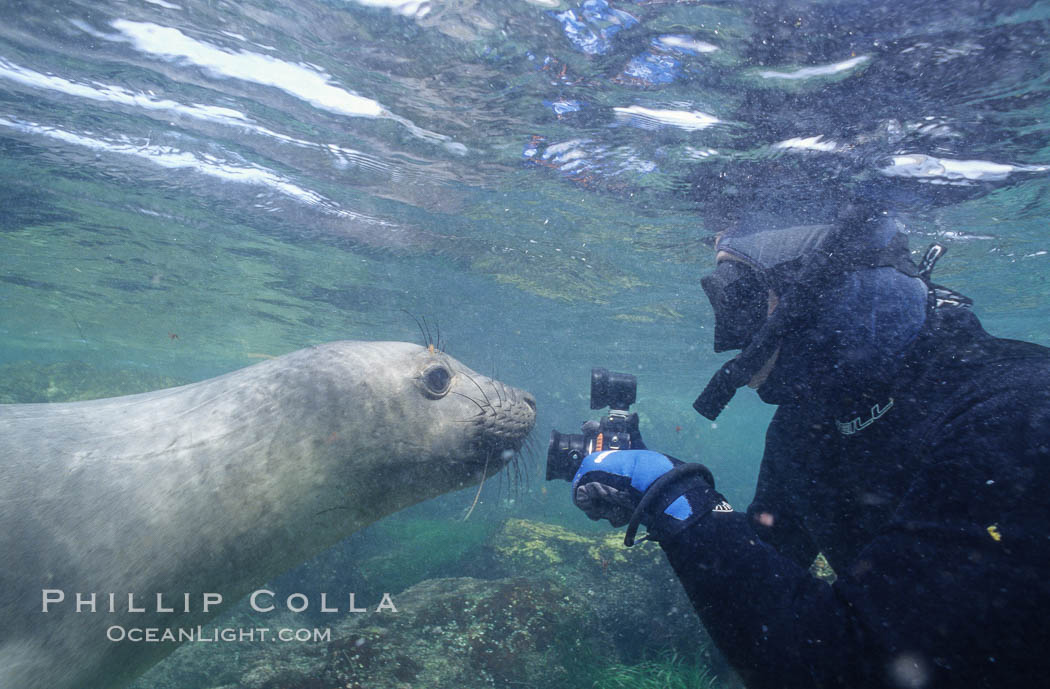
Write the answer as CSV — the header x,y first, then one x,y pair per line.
x,y
217,487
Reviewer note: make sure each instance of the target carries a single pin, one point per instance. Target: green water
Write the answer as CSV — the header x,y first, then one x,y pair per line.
x,y
253,178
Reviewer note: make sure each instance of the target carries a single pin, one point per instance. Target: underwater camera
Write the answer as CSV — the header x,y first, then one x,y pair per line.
x,y
614,431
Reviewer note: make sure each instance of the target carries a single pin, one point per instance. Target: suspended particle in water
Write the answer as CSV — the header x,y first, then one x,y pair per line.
x,y
909,671
764,518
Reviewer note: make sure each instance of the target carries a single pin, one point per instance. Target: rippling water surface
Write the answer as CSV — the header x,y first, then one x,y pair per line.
x,y
188,186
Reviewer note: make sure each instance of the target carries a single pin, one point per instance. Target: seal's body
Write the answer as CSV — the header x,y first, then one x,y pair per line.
x,y
217,486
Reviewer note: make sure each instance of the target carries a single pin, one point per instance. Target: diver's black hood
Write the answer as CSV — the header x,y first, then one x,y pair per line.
x,y
849,305
851,339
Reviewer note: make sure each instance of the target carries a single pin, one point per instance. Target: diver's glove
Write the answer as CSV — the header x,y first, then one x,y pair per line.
x,y
645,487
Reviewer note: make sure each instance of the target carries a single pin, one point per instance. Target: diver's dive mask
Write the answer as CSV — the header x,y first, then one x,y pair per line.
x,y
739,297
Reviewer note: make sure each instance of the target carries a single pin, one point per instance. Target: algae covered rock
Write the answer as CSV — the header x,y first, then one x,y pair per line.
x,y
633,595
560,610
553,550
456,633
461,633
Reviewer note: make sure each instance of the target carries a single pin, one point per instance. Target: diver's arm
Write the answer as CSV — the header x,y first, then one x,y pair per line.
x,y
775,623
770,516
939,597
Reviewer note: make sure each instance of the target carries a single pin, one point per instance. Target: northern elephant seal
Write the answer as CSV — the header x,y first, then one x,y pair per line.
x,y
217,486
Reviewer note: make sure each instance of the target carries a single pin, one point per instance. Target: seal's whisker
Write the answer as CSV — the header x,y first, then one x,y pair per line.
x,y
529,447
499,487
513,477
422,331
426,326
482,391
523,460
332,509
517,470
477,496
472,400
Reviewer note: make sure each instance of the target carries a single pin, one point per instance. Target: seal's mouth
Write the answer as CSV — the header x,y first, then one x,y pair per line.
x,y
497,449
505,416
495,460
506,426
502,424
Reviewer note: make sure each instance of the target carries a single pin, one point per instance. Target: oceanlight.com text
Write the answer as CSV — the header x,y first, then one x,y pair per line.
x,y
201,634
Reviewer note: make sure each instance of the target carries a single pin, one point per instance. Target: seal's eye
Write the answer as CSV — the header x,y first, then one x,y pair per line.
x,y
436,380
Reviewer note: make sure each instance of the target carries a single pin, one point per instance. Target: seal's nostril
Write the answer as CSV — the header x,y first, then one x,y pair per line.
x,y
531,402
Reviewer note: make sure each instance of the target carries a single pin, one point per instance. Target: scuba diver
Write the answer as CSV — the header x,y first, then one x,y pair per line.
x,y
909,447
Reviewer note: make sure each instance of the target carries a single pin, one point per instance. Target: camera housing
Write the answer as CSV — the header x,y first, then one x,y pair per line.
x,y
613,390
617,430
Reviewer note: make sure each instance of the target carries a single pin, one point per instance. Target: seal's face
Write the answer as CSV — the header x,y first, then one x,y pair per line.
x,y
499,416
430,420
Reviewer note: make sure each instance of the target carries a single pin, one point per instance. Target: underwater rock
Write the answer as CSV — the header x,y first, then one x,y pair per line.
x,y
633,595
456,633
561,607
460,632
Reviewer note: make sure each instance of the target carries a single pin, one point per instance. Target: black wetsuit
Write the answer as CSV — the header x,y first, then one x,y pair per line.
x,y
934,512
